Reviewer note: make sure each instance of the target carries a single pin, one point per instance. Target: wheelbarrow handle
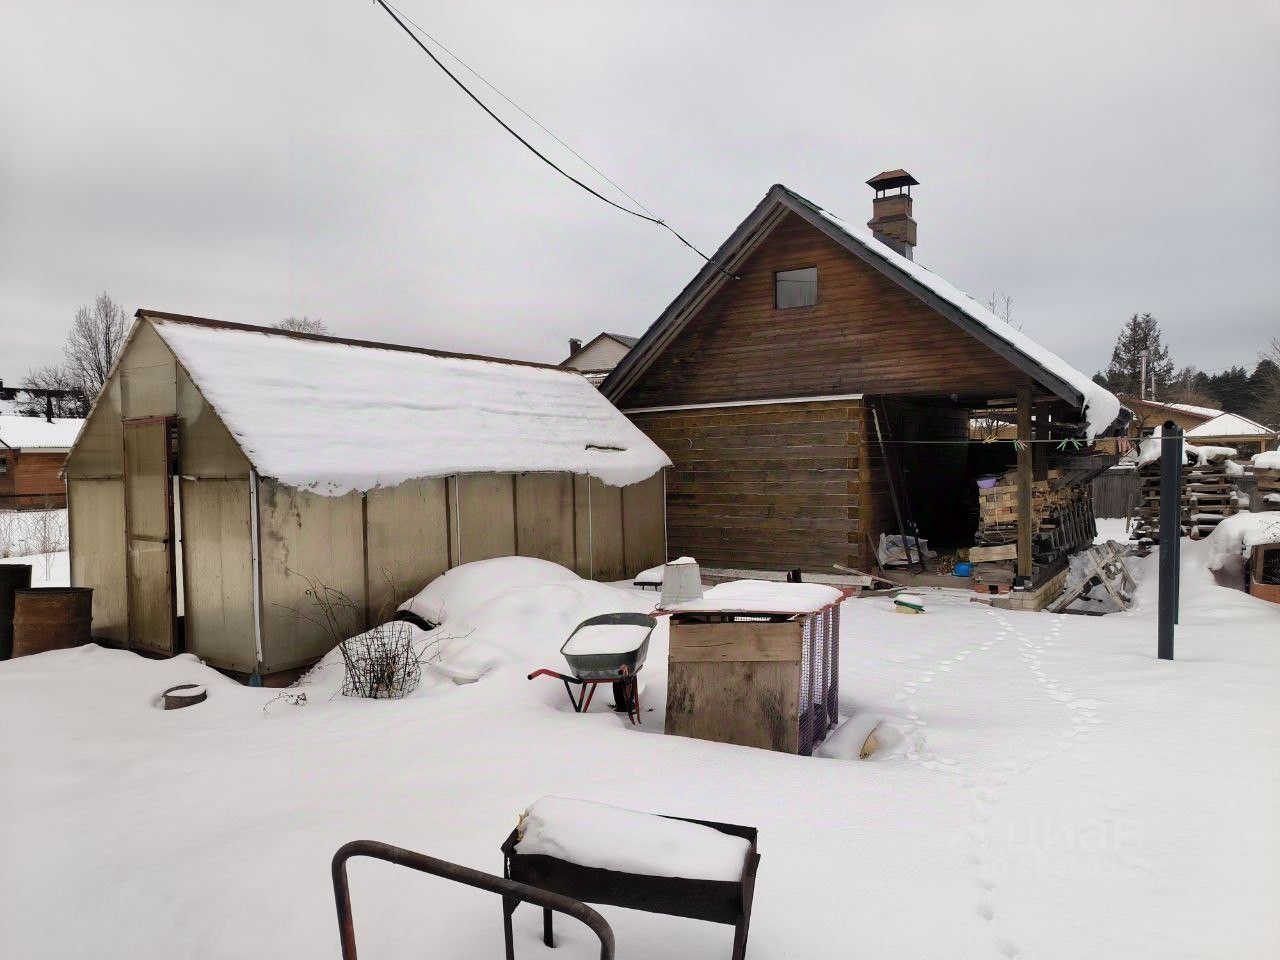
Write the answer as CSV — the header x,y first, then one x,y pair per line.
x,y
544,672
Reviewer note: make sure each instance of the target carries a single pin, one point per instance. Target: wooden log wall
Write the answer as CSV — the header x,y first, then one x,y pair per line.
x,y
32,480
864,335
774,486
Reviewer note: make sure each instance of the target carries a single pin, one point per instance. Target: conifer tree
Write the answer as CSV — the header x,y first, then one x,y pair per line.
x,y
1124,373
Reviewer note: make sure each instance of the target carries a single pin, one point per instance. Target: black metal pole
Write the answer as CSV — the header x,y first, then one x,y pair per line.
x,y
1170,533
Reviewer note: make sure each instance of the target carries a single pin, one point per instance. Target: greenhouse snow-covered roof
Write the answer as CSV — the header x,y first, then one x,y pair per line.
x,y
333,415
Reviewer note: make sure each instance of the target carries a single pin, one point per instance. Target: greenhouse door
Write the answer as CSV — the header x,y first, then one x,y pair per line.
x,y
149,447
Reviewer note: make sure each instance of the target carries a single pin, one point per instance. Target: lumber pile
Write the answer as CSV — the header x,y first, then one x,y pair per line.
x,y
1061,516
1146,516
1208,497
1268,490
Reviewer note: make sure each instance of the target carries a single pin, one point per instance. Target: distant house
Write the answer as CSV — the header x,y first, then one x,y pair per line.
x,y
599,356
1150,414
226,468
814,385
32,452
1232,430
1204,426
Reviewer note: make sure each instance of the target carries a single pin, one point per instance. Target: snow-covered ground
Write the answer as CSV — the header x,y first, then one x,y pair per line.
x,y
37,537
1047,789
47,569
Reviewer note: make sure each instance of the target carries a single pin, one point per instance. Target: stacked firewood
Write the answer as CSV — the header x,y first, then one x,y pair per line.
x,y
1061,513
1061,516
998,510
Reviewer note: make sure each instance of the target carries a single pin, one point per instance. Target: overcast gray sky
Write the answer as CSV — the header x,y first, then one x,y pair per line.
x,y
253,160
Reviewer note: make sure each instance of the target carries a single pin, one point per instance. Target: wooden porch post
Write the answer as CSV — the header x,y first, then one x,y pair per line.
x,y
1024,481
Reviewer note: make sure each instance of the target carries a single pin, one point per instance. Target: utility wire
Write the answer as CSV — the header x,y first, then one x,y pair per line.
x,y
530,117
658,221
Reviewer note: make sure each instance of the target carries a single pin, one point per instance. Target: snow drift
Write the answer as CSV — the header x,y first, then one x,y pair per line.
x,y
495,614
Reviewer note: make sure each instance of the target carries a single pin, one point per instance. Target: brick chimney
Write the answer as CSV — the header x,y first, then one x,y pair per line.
x,y
891,211
575,346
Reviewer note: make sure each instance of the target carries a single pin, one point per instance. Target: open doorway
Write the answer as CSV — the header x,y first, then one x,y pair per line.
x,y
150,457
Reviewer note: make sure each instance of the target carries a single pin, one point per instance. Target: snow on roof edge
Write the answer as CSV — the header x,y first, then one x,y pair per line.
x,y
1101,406
559,424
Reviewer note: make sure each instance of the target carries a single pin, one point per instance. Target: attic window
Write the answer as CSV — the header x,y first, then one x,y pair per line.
x,y
795,288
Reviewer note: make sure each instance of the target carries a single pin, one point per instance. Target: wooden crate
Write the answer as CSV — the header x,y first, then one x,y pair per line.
x,y
1264,581
757,680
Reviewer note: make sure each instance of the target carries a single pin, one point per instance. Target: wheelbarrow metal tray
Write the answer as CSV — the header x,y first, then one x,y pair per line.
x,y
611,665
717,901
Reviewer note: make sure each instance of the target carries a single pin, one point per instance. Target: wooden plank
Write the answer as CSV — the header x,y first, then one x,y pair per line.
x,y
738,642
750,704
1006,552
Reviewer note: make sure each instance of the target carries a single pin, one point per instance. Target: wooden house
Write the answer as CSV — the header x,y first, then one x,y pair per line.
x,y
599,356
1247,437
225,467
32,452
1203,426
1150,414
813,383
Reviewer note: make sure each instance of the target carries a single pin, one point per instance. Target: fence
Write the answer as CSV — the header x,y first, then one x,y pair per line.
x,y
1115,493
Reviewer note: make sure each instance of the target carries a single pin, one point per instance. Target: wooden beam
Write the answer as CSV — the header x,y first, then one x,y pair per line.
x,y
1024,481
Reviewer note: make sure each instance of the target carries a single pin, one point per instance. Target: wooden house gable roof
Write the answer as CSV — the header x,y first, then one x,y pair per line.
x,y
1043,367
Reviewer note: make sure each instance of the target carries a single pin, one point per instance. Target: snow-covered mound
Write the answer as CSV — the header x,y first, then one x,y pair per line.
x,y
613,838
1235,537
506,612
1267,461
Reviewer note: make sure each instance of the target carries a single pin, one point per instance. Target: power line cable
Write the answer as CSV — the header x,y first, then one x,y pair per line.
x,y
658,221
530,117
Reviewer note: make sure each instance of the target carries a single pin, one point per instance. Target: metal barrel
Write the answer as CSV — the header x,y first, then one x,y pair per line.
x,y
51,618
13,577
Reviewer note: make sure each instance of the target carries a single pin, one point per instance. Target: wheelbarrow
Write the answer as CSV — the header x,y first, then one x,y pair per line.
x,y
610,649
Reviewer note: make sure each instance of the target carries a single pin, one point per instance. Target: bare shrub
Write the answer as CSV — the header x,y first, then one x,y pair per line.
x,y
380,663
8,533
47,535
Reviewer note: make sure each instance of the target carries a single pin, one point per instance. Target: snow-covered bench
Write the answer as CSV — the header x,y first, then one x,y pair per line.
x,y
602,854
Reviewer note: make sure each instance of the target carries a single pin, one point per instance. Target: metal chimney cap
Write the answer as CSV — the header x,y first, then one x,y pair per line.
x,y
891,179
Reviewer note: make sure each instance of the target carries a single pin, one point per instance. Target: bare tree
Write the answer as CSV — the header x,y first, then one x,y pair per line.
x,y
94,342
96,339
1001,304
56,376
302,325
